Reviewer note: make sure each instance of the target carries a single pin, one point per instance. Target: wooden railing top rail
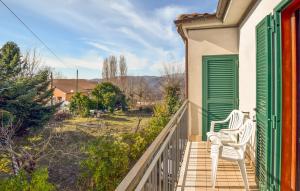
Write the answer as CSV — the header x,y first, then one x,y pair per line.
x,y
136,173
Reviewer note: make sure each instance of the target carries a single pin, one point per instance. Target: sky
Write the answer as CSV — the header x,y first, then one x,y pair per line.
x,y
82,33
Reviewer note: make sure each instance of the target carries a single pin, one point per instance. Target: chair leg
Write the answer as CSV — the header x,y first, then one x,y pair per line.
x,y
214,164
207,142
214,171
244,173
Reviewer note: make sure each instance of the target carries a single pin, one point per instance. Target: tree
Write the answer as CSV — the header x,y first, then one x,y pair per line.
x,y
173,75
31,63
173,87
26,97
130,91
113,67
123,73
10,61
122,66
80,105
172,99
105,70
142,90
110,96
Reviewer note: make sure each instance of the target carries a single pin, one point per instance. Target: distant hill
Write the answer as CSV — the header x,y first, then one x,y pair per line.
x,y
154,83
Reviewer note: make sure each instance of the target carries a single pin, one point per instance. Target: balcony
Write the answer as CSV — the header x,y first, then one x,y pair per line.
x,y
172,162
196,169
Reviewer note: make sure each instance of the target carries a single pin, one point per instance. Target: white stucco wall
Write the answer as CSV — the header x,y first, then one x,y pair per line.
x,y
247,53
200,43
247,59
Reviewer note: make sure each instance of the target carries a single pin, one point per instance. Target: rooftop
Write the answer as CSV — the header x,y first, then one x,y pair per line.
x,y
69,85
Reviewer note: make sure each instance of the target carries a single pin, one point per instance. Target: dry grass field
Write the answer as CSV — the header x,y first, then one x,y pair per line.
x,y
68,139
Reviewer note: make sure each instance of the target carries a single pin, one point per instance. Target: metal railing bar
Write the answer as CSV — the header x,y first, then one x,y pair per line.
x,y
153,163
132,178
165,170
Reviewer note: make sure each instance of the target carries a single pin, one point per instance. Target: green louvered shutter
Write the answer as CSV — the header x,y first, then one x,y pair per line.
x,y
220,89
263,101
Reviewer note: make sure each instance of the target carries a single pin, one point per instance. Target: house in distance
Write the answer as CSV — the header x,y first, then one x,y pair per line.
x,y
64,89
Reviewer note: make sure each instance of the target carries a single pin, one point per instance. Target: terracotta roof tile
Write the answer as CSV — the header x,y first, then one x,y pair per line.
x,y
69,85
193,16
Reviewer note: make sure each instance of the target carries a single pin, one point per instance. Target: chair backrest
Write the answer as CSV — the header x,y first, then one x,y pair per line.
x,y
245,132
236,119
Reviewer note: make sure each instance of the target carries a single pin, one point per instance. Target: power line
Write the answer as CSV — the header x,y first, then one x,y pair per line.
x,y
34,34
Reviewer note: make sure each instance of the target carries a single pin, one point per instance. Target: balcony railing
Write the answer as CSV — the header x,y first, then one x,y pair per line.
x,y
158,168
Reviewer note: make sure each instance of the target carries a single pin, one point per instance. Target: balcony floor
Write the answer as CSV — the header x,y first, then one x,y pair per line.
x,y
195,172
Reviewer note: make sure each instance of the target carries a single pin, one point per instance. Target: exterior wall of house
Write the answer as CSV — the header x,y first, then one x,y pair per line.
x,y
247,58
204,42
69,96
58,94
247,53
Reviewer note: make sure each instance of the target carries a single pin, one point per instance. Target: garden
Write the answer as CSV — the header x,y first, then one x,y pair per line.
x,y
44,149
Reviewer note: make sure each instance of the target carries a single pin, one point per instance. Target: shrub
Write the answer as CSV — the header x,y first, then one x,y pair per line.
x,y
37,181
109,96
61,116
157,122
137,145
80,105
172,99
106,165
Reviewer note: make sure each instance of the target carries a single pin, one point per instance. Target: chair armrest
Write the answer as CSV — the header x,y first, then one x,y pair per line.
x,y
223,121
229,131
212,123
236,145
214,138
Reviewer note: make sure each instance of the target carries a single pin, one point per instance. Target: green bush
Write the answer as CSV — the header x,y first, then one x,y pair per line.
x,y
172,99
80,105
37,181
137,145
106,165
159,120
109,96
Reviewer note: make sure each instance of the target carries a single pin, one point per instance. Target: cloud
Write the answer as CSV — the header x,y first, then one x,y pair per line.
x,y
135,63
146,38
91,60
101,47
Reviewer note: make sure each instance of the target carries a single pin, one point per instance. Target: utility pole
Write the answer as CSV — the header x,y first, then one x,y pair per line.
x,y
51,78
76,80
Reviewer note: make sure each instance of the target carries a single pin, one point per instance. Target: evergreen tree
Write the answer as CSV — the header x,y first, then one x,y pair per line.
x,y
10,61
26,98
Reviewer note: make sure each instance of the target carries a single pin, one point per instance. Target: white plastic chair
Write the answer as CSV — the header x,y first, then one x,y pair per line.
x,y
235,119
231,151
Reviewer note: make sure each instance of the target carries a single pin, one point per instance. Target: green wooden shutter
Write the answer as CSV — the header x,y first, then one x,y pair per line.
x,y
220,89
263,101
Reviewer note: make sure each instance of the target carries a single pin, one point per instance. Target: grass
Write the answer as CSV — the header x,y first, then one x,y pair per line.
x,y
70,136
116,123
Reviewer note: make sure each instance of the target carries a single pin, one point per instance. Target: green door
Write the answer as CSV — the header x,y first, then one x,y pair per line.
x,y
220,89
